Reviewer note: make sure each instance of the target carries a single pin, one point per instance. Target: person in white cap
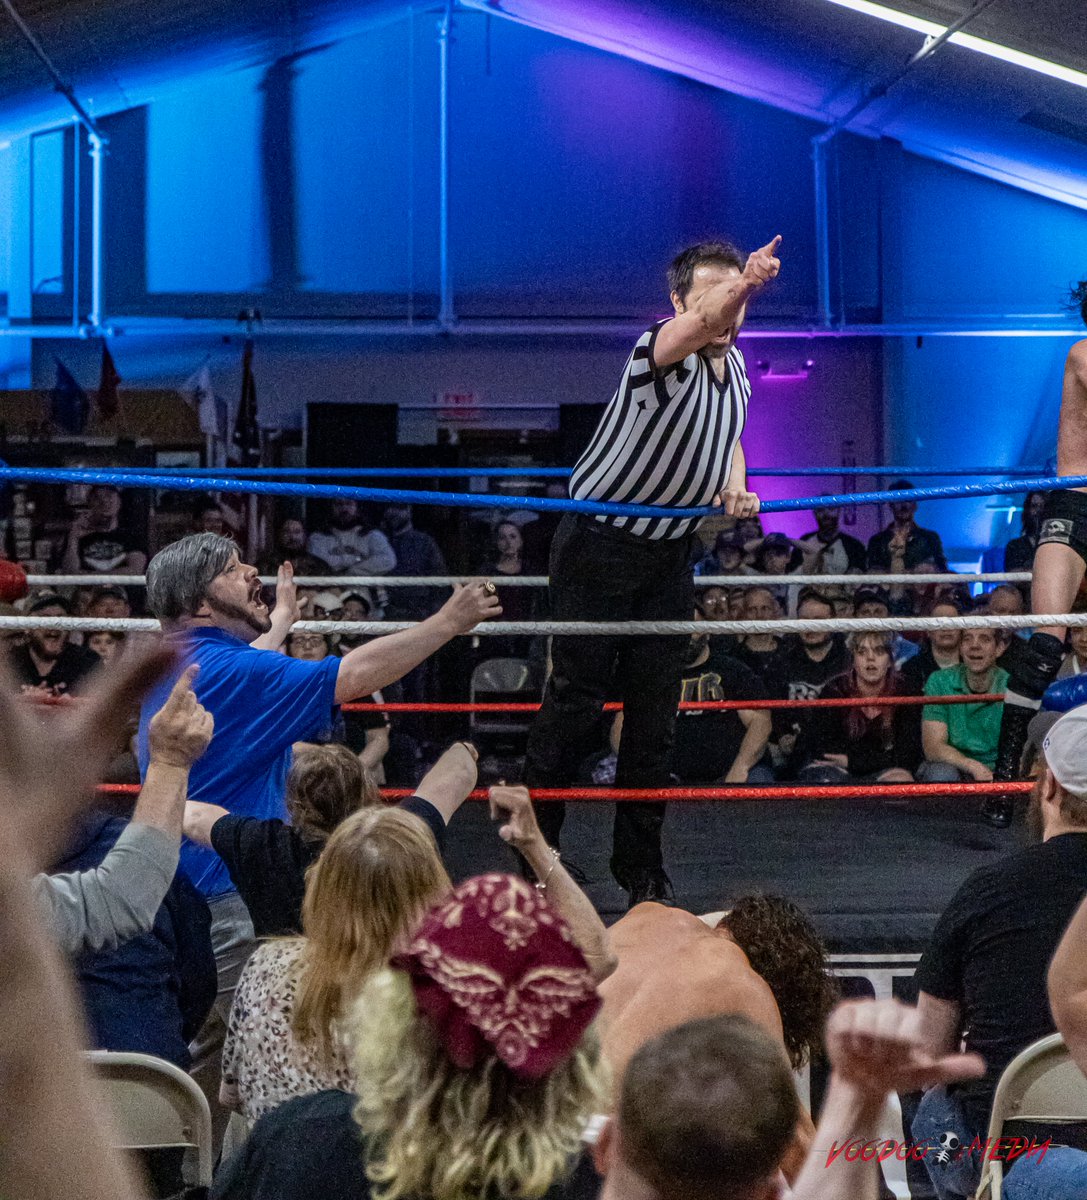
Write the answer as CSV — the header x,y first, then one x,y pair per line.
x,y
983,976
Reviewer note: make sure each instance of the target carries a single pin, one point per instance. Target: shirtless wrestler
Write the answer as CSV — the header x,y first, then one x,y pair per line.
x,y
1055,577
764,960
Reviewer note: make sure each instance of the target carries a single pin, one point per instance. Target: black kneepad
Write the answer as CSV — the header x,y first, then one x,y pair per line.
x,y
1064,521
1038,666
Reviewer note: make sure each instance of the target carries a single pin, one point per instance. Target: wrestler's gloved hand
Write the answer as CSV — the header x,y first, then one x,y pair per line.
x,y
1065,694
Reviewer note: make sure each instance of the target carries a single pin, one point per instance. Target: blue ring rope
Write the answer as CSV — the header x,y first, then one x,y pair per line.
x,y
533,503
546,472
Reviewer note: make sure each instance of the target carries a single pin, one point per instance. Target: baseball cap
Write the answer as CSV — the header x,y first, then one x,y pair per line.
x,y
1065,750
869,595
47,600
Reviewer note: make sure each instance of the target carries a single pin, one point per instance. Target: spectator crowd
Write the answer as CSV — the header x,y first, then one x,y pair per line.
x,y
360,1025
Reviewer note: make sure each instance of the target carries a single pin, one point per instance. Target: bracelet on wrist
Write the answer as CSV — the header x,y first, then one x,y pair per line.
x,y
541,884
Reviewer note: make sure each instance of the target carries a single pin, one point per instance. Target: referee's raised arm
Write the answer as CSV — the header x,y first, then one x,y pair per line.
x,y
714,312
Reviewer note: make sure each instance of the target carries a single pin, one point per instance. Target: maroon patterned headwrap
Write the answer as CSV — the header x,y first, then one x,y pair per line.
x,y
497,971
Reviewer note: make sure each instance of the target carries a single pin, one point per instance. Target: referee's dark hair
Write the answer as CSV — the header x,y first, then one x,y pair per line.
x,y
704,254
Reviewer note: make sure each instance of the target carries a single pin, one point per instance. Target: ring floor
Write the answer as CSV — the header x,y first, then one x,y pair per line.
x,y
874,875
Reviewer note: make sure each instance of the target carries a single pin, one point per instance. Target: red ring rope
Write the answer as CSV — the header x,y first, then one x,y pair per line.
x,y
875,791
520,706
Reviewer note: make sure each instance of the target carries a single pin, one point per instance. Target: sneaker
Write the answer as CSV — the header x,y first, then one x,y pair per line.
x,y
998,810
647,885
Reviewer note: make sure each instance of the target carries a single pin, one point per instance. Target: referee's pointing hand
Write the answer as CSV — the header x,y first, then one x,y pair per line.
x,y
763,264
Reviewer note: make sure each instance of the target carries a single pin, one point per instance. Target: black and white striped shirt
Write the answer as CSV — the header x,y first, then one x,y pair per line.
x,y
667,437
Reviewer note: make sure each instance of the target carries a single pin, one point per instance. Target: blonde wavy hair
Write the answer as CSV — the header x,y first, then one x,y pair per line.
x,y
377,876
440,1131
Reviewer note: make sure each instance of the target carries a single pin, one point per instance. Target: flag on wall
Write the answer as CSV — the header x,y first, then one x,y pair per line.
x,y
200,395
245,445
68,403
109,403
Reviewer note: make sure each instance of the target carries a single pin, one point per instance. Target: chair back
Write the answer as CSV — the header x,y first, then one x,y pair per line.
x,y
1041,1084
155,1105
497,679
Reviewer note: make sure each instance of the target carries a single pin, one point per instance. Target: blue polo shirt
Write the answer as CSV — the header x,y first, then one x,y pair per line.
x,y
262,703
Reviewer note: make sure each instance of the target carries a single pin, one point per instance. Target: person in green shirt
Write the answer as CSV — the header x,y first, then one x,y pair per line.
x,y
960,740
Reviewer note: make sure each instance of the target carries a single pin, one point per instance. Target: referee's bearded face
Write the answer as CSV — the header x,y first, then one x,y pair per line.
x,y
706,277
235,603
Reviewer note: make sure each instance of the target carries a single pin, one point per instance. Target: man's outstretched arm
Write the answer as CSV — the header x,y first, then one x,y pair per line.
x,y
368,668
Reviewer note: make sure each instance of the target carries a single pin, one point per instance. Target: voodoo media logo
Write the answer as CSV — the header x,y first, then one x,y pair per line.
x,y
945,1150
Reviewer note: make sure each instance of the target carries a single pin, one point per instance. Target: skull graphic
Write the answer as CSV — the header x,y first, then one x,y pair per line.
x,y
949,1144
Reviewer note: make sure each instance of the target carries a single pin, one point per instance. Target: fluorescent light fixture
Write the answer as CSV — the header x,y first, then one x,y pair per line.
x,y
993,49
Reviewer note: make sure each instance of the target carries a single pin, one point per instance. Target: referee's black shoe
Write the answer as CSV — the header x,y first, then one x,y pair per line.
x,y
646,884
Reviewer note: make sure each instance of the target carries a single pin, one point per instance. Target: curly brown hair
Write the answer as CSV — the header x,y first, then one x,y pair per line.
x,y
326,784
782,945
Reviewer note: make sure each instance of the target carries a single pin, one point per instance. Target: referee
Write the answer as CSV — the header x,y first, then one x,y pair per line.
x,y
670,436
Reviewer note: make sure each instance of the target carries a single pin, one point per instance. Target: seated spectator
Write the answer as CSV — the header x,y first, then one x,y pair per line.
x,y
982,978
291,547
751,531
456,1098
712,1101
150,994
47,661
879,743
764,960
903,544
759,651
1019,552
287,1026
803,668
355,606
805,665
778,555
726,557
938,649
723,745
1075,662
417,553
97,542
960,740
118,899
268,858
505,557
828,551
1006,600
347,547
208,518
109,603
876,602
105,644
713,603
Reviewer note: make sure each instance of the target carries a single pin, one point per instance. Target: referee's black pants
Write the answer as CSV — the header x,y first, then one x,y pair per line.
x,y
604,574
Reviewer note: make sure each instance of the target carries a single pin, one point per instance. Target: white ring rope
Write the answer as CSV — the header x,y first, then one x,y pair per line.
x,y
605,628
392,581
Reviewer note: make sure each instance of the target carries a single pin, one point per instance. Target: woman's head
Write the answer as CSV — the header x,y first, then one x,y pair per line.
x,y
376,877
508,541
325,785
476,1055
872,656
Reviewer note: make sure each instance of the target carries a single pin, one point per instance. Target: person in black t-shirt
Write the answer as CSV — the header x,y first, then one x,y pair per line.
x,y
828,551
268,859
759,651
1019,552
802,669
47,661
939,649
97,542
723,745
983,975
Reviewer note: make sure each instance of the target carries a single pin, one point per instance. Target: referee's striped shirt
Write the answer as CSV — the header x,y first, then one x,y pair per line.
x,y
667,437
